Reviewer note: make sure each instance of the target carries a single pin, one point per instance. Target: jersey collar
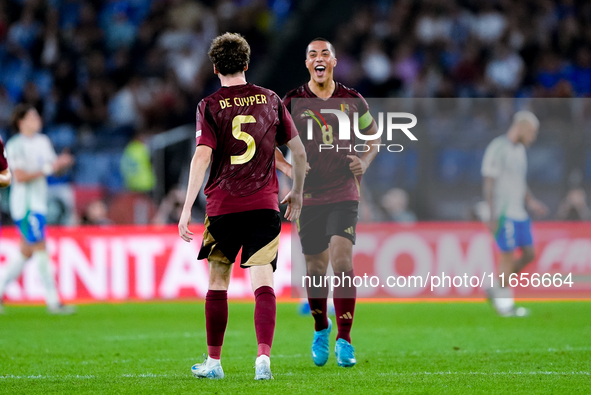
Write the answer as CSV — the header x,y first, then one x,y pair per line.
x,y
337,86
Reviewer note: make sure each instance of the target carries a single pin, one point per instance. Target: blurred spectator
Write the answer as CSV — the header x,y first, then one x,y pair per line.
x,y
505,72
93,104
574,206
23,34
405,67
550,72
395,204
434,25
169,211
132,208
580,74
121,33
468,72
136,167
6,107
124,107
488,25
96,214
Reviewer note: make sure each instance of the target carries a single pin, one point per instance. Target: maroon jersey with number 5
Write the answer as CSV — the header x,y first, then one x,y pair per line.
x,y
242,124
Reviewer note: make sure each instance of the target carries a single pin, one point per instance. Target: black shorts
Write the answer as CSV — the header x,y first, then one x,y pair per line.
x,y
317,224
256,232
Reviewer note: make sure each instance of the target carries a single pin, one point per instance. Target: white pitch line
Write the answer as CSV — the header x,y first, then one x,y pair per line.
x,y
172,335
448,373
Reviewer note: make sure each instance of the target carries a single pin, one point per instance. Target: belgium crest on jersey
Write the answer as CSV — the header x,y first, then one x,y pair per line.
x,y
345,108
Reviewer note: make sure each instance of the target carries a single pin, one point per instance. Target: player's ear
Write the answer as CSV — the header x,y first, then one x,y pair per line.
x,y
246,67
334,62
215,70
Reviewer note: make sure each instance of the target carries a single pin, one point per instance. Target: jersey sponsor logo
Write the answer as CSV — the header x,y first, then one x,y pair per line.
x,y
350,230
198,134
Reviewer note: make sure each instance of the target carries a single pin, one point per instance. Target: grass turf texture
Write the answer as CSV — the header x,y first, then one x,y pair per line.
x,y
427,348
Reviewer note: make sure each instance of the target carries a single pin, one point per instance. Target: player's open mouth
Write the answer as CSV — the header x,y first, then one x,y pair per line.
x,y
319,70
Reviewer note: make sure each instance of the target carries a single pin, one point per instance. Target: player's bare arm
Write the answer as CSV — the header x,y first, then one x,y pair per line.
x,y
5,178
283,165
63,162
60,164
535,205
199,165
488,188
294,198
358,164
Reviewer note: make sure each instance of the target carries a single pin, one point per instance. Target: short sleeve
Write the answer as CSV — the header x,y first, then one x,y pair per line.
x,y
492,161
286,129
3,160
287,102
205,126
15,154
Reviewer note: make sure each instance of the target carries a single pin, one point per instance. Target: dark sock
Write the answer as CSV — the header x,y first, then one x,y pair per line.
x,y
344,304
216,319
265,309
317,296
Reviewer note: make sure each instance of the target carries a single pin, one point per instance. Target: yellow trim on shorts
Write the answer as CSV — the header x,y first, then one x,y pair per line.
x,y
265,255
215,254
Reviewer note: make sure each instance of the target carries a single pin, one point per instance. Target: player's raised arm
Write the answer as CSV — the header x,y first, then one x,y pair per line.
x,y
199,164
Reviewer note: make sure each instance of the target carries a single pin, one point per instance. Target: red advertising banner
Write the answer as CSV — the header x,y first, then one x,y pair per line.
x,y
145,263
460,259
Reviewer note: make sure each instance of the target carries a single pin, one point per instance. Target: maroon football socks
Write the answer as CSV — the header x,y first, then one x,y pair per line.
x,y
265,310
216,319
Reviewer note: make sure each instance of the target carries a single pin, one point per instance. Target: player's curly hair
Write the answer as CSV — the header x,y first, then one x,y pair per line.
x,y
19,113
230,53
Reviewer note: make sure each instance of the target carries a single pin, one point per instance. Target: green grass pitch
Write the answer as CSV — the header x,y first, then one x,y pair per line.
x,y
406,348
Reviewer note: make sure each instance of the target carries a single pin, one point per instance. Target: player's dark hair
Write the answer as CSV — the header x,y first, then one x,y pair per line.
x,y
19,113
330,46
230,53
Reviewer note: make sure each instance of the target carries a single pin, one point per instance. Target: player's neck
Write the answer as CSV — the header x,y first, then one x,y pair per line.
x,y
28,133
324,90
512,136
233,79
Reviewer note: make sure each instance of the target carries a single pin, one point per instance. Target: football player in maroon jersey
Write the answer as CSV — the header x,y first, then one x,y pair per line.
x,y
238,128
331,193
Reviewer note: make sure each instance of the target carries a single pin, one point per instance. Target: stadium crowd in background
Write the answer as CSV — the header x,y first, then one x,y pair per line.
x,y
100,71
467,48
115,66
